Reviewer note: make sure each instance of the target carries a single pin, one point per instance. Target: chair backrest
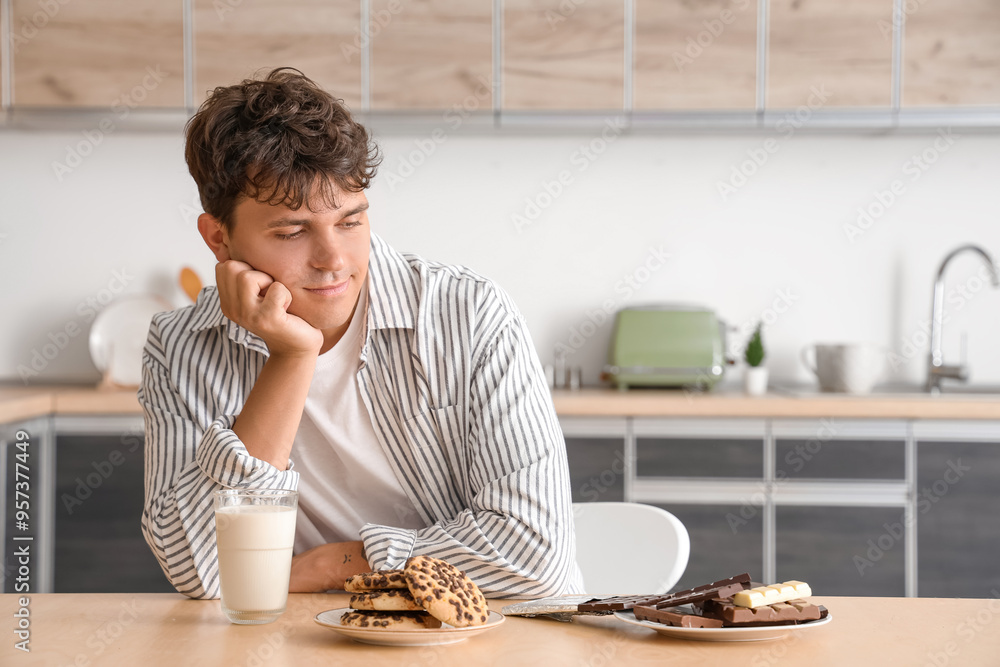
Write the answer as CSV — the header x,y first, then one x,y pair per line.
x,y
629,548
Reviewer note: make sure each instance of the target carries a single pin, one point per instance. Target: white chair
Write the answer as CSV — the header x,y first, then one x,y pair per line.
x,y
629,548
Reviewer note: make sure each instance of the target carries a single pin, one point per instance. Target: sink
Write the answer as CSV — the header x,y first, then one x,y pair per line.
x,y
895,390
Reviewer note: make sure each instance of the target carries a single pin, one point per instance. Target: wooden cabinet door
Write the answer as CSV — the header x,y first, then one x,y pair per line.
x,y
695,55
829,53
115,54
234,39
951,53
432,54
560,54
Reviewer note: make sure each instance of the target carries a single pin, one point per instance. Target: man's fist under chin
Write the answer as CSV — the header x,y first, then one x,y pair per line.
x,y
259,304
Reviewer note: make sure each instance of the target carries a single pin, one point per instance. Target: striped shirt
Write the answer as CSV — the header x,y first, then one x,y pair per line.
x,y
458,401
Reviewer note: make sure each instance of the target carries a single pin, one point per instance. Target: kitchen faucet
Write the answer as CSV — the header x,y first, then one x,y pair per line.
x,y
936,368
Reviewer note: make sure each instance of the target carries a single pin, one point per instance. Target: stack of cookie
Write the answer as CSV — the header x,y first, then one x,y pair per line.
x,y
424,594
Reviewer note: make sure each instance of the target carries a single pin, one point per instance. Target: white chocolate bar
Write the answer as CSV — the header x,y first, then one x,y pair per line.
x,y
764,595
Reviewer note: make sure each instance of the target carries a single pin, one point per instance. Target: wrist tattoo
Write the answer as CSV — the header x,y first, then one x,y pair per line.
x,y
347,558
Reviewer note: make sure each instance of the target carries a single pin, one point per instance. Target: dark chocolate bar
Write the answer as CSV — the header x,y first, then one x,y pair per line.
x,y
781,613
703,592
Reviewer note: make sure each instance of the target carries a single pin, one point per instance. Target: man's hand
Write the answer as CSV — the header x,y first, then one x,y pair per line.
x,y
326,567
256,302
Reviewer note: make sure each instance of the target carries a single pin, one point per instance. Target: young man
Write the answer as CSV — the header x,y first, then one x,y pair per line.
x,y
402,398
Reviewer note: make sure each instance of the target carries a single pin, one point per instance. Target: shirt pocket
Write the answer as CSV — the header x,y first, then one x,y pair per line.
x,y
437,447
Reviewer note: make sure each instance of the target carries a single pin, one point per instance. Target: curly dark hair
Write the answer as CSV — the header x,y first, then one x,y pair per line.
x,y
275,140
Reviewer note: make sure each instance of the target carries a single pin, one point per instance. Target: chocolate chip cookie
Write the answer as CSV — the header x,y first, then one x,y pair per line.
x,y
390,620
445,592
392,599
372,581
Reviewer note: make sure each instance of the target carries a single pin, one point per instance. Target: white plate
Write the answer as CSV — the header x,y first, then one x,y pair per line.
x,y
754,634
446,634
119,333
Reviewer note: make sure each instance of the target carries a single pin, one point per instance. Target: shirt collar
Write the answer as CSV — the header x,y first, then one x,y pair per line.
x,y
392,298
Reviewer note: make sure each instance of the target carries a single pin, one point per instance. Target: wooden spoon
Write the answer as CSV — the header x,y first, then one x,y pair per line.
x,y
190,283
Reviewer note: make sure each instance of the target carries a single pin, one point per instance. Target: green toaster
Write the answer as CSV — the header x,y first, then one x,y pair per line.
x,y
666,346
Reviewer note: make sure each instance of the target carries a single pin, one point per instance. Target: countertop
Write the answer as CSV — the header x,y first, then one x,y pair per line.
x,y
19,403
600,402
169,629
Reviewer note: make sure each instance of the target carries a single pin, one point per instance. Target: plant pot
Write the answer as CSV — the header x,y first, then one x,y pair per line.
x,y
755,380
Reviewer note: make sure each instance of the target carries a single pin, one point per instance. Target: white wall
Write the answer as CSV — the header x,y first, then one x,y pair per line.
x,y
131,207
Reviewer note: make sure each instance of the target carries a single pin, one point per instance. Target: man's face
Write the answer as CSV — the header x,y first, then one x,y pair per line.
x,y
321,257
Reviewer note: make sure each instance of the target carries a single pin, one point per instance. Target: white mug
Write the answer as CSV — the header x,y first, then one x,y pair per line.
x,y
852,368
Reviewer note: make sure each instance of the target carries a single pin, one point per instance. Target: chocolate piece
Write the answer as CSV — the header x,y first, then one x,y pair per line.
x,y
721,588
764,595
781,613
675,618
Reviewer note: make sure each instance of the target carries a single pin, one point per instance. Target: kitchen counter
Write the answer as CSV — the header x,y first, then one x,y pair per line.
x,y
18,403
601,402
169,629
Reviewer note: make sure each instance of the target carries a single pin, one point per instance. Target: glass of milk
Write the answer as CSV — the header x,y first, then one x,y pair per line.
x,y
254,531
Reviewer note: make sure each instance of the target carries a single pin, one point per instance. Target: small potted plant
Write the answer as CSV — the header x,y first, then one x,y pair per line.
x,y
755,378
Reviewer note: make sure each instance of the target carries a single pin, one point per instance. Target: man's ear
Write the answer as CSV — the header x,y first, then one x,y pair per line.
x,y
215,235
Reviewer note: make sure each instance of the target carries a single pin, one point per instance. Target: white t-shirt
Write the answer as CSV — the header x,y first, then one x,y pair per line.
x,y
345,479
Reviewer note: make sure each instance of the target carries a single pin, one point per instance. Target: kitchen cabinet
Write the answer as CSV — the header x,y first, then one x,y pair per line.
x,y
99,499
234,39
708,474
431,54
560,55
111,54
695,55
958,508
597,450
829,53
951,53
826,501
26,526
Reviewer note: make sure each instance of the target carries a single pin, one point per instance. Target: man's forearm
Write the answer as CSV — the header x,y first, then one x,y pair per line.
x,y
325,567
273,410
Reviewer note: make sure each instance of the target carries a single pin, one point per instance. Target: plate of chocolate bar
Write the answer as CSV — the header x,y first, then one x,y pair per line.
x,y
732,610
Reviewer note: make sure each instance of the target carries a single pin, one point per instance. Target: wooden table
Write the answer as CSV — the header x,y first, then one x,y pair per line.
x,y
169,629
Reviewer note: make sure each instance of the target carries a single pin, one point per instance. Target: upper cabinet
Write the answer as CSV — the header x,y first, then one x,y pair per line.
x,y
563,54
695,55
431,54
952,53
236,39
114,54
829,53
653,57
